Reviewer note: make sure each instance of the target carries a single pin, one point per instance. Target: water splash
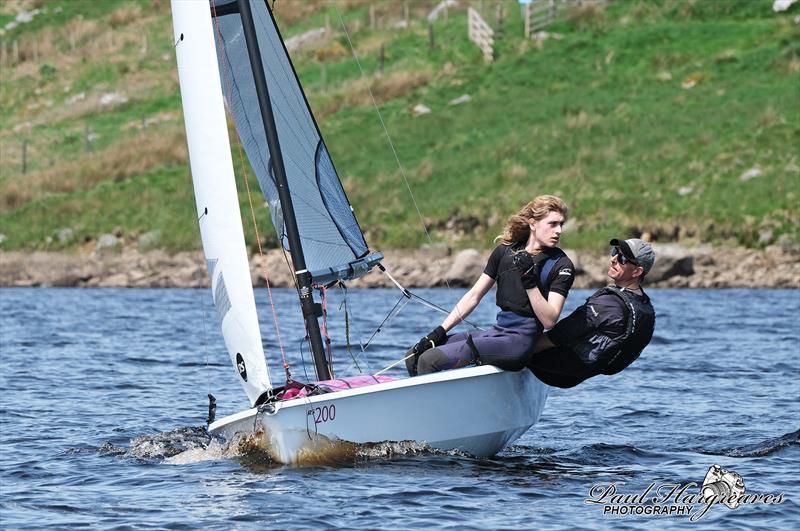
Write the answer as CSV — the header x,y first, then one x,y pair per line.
x,y
169,444
216,450
390,449
188,445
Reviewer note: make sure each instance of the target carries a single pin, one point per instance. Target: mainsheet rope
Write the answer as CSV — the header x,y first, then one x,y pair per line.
x,y
264,270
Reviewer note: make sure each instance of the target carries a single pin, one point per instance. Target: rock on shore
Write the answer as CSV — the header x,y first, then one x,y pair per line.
x,y
676,266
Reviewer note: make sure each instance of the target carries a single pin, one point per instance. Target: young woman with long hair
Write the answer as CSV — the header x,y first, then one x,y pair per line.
x,y
533,278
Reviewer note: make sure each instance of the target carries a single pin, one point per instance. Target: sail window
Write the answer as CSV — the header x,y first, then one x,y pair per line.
x,y
221,299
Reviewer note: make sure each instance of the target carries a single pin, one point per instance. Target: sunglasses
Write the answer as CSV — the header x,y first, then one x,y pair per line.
x,y
621,258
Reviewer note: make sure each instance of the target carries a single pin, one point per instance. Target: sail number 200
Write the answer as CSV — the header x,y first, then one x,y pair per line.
x,y
324,413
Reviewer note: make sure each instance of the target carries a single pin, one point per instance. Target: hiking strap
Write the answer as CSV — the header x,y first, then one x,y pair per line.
x,y
476,356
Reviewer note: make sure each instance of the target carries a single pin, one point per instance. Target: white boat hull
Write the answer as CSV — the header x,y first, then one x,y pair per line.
x,y
477,410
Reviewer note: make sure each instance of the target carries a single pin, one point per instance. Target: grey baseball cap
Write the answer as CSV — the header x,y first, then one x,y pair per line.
x,y
637,250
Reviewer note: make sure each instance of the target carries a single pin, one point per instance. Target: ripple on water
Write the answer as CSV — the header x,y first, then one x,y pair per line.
x,y
760,449
117,436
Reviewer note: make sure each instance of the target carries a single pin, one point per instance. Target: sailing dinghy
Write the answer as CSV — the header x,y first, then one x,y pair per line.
x,y
233,46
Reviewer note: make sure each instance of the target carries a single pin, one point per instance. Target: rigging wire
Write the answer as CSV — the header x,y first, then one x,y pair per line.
x,y
391,315
246,179
408,293
391,146
383,125
205,339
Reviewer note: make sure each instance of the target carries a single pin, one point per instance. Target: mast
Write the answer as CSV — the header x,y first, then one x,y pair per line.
x,y
311,310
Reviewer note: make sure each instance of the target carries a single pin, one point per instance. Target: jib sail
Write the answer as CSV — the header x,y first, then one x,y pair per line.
x,y
215,194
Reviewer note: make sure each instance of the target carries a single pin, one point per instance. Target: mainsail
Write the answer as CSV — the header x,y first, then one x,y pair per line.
x,y
216,196
331,239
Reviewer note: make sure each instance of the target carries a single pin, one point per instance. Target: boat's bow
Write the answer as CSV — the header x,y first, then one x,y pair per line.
x,y
477,410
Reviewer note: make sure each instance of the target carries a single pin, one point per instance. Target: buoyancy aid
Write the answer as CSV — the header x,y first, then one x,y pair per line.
x,y
511,295
548,265
609,355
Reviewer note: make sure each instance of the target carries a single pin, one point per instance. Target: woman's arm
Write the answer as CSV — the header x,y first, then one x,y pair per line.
x,y
547,310
469,301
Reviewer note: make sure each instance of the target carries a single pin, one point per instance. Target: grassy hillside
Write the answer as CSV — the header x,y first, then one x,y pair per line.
x,y
676,118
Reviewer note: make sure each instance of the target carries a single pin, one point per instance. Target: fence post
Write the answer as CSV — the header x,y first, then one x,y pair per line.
x,y
431,38
527,16
25,156
88,141
499,15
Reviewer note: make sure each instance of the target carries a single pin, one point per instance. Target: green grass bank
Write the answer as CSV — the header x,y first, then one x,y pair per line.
x,y
679,119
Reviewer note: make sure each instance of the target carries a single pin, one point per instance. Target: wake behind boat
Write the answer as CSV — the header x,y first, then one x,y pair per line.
x,y
234,47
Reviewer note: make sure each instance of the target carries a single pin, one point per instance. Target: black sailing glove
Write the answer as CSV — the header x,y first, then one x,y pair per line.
x,y
529,267
434,338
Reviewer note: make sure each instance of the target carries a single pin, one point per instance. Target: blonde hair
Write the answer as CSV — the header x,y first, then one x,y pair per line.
x,y
517,228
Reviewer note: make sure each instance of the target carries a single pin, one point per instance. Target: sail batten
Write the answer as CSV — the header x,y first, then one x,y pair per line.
x,y
332,242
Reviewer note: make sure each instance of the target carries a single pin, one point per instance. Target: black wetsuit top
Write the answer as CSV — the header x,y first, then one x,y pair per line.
x,y
511,295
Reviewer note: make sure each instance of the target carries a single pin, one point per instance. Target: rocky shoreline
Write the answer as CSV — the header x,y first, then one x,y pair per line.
x,y
676,266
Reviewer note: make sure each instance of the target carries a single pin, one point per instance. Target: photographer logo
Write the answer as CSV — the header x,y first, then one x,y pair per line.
x,y
723,485
720,486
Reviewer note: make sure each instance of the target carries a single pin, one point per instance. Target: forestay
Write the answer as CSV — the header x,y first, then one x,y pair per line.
x,y
331,239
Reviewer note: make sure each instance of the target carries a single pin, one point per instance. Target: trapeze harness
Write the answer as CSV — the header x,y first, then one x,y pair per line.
x,y
597,351
508,343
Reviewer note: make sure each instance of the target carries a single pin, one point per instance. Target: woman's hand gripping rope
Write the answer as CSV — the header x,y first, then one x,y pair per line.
x,y
434,338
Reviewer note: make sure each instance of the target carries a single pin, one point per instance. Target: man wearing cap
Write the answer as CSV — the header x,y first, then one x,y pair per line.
x,y
609,331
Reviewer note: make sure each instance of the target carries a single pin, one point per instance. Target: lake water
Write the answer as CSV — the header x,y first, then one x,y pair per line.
x,y
103,404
